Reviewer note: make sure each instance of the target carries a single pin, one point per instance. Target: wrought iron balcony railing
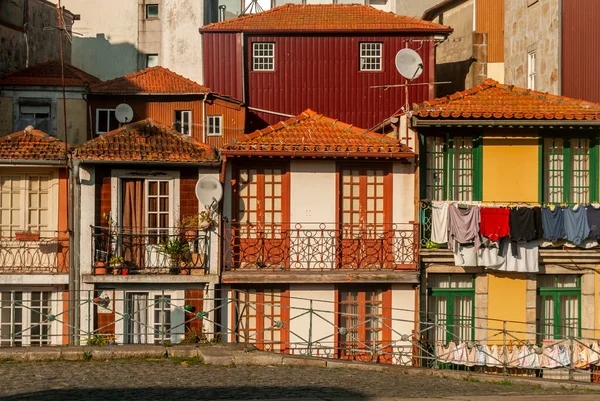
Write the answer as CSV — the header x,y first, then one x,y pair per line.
x,y
320,246
121,251
44,252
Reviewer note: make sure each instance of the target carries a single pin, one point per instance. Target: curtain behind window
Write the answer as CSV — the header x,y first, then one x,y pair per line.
x,y
133,222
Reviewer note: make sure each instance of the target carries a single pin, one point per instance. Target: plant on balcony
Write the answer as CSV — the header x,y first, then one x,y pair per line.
x,y
100,263
175,248
116,262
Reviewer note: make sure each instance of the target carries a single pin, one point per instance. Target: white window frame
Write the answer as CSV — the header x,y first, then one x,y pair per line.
x,y
23,208
212,127
55,308
263,56
531,70
106,123
181,123
148,56
371,56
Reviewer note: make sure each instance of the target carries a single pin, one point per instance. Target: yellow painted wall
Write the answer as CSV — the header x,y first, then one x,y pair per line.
x,y
6,116
506,301
510,168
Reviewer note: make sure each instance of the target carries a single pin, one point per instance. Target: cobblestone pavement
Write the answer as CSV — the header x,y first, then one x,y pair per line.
x,y
163,379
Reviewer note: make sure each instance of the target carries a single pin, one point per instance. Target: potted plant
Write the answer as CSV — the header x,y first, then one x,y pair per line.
x,y
175,248
100,264
116,262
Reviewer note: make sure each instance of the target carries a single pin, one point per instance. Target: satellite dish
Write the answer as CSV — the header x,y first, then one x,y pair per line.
x,y
409,64
209,190
124,113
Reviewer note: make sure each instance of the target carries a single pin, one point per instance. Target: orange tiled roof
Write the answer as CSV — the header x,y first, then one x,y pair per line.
x,y
153,80
312,135
492,100
325,17
32,144
48,74
145,141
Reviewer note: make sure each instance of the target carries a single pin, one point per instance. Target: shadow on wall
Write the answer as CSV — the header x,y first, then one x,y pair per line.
x,y
203,392
455,72
106,60
254,121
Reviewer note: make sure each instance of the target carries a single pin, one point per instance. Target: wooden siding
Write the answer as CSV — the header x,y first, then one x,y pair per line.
x,y
187,192
317,72
490,20
162,110
193,298
580,63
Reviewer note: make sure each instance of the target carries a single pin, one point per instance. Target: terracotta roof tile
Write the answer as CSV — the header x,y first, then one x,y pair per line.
x,y
325,17
153,80
32,144
145,141
312,135
48,74
498,101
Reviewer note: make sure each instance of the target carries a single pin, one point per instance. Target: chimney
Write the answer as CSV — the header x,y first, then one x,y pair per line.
x,y
222,8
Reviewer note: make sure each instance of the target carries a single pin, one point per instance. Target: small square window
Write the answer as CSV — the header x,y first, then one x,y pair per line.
x,y
183,121
370,56
215,126
263,56
151,60
151,11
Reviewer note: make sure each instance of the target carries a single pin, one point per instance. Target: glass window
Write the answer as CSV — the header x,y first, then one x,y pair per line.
x,y
558,306
162,318
151,11
106,121
451,306
24,317
24,203
263,56
370,56
151,60
36,116
183,121
531,70
215,126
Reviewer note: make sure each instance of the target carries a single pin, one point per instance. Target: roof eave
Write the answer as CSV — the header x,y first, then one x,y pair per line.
x,y
210,163
426,122
33,162
150,93
318,155
445,31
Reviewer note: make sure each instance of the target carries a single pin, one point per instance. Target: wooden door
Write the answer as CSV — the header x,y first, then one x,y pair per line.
x,y
365,230
261,218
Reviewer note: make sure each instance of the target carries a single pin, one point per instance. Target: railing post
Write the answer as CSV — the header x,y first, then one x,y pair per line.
x,y
89,316
571,373
374,344
162,317
504,348
12,318
310,323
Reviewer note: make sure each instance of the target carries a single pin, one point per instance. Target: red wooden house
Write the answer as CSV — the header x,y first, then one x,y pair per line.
x,y
170,99
325,57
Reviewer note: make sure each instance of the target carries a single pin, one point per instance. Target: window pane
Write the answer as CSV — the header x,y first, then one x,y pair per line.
x,y
553,170
151,10
462,165
263,56
370,56
580,170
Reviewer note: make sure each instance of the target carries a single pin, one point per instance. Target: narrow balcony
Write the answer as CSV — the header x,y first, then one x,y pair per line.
x,y
41,252
320,247
120,251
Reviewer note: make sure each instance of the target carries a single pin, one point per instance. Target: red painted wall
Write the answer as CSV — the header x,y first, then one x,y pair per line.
x,y
317,72
580,60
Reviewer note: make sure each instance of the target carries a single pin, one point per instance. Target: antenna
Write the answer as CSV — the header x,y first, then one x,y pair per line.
x,y
409,64
124,113
209,191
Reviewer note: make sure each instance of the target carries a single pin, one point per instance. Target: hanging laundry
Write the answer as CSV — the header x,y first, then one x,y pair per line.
x,y
563,355
526,261
488,255
494,222
463,226
576,224
439,222
593,216
481,352
525,225
553,224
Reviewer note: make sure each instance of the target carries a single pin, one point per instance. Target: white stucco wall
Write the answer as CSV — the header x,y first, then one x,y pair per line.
x,y
214,233
181,46
404,194
321,330
496,71
86,220
403,320
312,192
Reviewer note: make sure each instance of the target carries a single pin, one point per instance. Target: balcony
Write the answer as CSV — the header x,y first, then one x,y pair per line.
x,y
45,252
121,252
319,248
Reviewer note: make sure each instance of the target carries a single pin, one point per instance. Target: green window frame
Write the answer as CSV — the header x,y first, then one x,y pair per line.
x,y
558,307
451,167
452,307
569,170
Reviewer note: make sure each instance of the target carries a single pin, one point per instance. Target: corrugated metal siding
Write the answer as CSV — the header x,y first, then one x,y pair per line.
x,y
160,111
321,73
222,63
580,58
490,20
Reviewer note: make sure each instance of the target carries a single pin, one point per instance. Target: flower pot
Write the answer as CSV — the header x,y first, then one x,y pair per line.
x,y
190,234
184,271
124,271
100,270
198,260
27,236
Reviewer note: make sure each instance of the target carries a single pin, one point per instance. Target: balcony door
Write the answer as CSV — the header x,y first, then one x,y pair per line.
x,y
261,216
365,217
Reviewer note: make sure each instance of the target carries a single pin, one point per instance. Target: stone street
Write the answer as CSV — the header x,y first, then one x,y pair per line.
x,y
185,379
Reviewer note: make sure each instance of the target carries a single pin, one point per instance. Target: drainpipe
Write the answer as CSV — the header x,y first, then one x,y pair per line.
x,y
204,118
74,268
243,41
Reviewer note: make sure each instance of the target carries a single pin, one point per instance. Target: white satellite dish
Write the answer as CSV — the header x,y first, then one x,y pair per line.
x,y
124,113
409,64
209,190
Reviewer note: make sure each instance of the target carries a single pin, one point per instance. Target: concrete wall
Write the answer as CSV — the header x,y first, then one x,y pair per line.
x,y
77,112
22,48
413,8
109,29
149,32
6,115
532,28
181,49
